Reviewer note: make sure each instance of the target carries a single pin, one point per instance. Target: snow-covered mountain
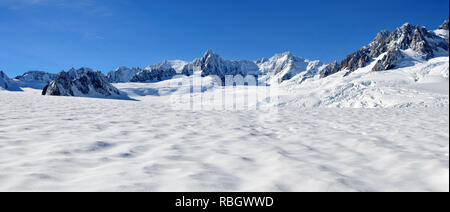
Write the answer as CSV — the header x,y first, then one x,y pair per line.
x,y
388,50
442,30
122,74
212,64
406,43
177,65
34,79
285,66
89,84
404,47
78,73
424,84
7,84
154,74
150,73
159,72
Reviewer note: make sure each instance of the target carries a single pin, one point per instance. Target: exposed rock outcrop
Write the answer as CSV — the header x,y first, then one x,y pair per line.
x,y
330,69
154,74
212,64
90,84
444,26
424,43
388,61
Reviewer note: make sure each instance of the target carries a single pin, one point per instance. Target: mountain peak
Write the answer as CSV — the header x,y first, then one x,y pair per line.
x,y
444,26
416,38
288,54
406,25
210,56
7,83
90,84
209,53
382,35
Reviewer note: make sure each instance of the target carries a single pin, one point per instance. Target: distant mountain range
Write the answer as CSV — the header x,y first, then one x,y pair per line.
x,y
387,51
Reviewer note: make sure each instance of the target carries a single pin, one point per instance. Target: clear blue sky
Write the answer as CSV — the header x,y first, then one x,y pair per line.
x,y
55,35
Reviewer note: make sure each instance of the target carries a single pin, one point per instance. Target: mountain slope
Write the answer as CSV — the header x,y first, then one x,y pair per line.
x,y
7,84
212,64
122,74
89,84
34,79
407,42
154,74
285,66
423,84
177,65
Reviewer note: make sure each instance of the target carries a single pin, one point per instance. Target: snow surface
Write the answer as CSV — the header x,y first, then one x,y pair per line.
x,y
370,131
83,144
425,84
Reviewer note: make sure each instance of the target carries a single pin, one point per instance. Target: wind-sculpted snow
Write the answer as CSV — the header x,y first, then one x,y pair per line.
x,y
379,121
370,131
86,144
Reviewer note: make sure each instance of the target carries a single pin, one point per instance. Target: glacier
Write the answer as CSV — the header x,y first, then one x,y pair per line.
x,y
376,121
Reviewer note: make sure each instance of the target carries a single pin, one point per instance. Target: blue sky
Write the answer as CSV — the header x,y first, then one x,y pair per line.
x,y
55,35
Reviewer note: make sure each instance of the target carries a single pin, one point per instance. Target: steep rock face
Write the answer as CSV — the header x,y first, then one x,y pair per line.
x,y
330,69
77,73
212,64
149,73
122,74
444,26
34,79
388,61
159,72
424,43
60,86
90,84
356,60
153,74
7,84
361,57
442,31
